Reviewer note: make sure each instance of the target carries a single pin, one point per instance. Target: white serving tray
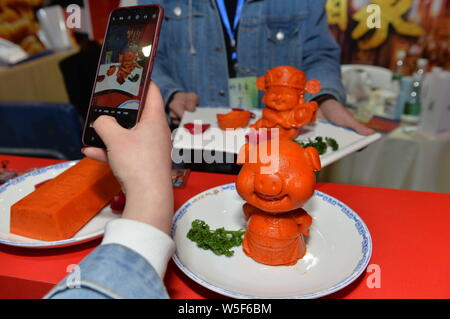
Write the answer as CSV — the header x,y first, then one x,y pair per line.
x,y
230,141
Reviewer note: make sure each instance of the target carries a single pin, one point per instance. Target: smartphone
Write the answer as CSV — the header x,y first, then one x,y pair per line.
x,y
125,68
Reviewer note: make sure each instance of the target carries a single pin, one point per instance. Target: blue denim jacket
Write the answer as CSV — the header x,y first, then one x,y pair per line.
x,y
111,271
192,53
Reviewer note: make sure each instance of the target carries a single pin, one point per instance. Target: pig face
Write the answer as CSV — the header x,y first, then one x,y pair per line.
x,y
286,188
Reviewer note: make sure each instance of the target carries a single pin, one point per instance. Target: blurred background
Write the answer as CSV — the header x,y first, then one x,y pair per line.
x,y
397,81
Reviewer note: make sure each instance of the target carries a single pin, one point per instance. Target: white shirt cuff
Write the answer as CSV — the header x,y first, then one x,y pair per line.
x,y
151,243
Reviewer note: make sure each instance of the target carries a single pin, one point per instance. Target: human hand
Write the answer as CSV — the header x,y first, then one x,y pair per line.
x,y
140,158
336,113
182,101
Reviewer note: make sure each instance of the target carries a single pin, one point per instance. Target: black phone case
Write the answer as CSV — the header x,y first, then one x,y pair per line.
x,y
98,142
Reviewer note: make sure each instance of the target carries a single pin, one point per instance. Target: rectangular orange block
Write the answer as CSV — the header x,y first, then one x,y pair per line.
x,y
62,206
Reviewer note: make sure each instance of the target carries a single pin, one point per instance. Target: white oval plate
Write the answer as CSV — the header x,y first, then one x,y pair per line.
x,y
20,187
338,250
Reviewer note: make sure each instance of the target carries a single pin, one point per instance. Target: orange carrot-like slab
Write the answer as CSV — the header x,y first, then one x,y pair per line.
x,y
63,205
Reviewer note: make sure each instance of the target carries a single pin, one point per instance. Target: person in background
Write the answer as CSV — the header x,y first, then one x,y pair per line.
x,y
132,258
204,43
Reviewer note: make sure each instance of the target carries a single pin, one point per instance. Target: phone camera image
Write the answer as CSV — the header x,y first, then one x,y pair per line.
x,y
124,68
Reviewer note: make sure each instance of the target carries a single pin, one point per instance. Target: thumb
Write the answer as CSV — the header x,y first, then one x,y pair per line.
x,y
192,100
362,129
108,129
154,105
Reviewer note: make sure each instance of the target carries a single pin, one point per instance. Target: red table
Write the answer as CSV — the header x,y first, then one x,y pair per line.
x,y
410,233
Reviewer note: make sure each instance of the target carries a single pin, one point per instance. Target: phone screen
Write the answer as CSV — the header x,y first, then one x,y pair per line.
x,y
124,67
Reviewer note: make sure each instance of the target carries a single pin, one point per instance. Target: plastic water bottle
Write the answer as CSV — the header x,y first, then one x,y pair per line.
x,y
398,73
392,108
411,113
403,96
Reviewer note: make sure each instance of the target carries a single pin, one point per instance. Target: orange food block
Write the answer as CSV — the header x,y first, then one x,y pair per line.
x,y
63,205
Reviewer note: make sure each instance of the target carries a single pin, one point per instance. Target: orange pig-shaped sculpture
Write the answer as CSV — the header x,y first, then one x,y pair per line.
x,y
284,90
274,196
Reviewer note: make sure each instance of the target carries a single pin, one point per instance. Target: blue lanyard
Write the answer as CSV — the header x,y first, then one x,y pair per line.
x,y
226,22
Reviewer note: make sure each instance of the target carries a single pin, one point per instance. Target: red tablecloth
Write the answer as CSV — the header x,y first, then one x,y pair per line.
x,y
410,233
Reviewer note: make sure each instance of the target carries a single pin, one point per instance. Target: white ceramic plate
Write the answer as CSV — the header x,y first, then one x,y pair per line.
x,y
338,250
215,139
20,187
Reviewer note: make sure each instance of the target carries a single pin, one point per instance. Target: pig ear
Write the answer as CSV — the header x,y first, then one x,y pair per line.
x,y
261,83
243,155
312,86
313,158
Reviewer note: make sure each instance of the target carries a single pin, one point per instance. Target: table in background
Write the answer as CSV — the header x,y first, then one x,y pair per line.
x,y
409,231
401,160
38,80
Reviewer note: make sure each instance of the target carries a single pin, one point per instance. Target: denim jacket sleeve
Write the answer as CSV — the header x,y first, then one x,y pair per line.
x,y
321,53
102,274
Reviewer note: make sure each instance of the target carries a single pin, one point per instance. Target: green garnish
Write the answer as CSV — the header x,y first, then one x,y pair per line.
x,y
332,143
320,145
219,241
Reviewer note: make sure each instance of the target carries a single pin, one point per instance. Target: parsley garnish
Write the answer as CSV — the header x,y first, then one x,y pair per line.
x,y
332,143
219,241
320,144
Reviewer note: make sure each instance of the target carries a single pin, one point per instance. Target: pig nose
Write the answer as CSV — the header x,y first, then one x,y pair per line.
x,y
270,185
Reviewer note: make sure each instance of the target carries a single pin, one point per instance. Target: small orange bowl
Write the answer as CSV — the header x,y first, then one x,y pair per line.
x,y
234,119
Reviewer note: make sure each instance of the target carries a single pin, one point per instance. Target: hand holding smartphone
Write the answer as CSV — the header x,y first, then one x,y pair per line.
x,y
125,67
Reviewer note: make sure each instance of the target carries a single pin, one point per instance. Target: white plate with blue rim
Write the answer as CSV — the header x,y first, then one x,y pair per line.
x,y
338,250
18,188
